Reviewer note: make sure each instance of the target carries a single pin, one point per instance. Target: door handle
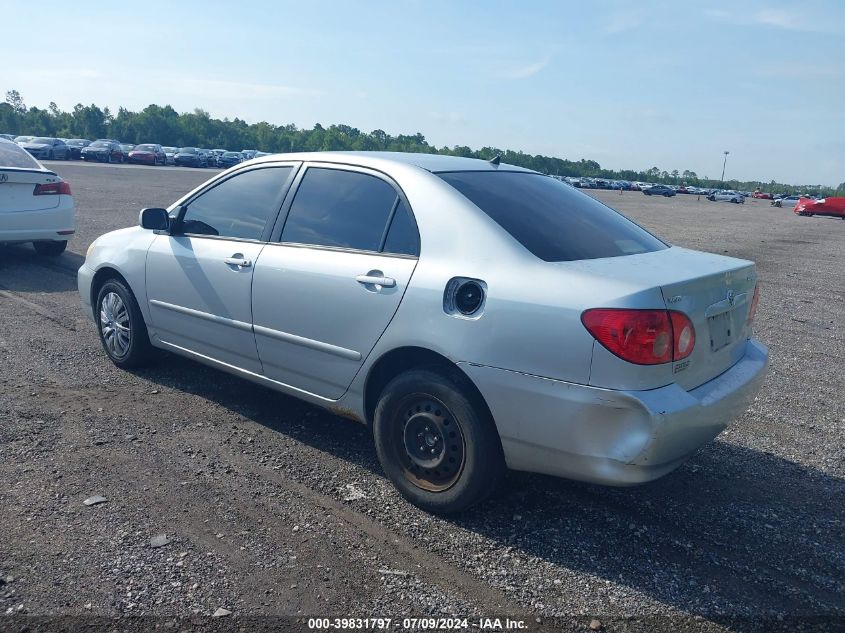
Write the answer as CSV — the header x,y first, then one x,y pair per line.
x,y
371,280
237,261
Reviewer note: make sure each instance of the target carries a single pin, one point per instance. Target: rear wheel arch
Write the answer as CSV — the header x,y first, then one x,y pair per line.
x,y
402,359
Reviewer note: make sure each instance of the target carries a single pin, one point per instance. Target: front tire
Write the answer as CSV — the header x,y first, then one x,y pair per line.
x,y
436,442
50,248
120,324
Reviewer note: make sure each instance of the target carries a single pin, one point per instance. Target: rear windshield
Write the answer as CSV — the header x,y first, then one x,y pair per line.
x,y
554,221
12,155
187,150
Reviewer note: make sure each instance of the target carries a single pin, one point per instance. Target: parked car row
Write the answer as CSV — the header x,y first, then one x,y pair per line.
x,y
106,150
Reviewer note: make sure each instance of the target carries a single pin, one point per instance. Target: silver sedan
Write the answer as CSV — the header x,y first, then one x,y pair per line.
x,y
478,316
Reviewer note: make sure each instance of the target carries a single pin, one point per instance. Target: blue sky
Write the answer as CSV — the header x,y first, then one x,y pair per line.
x,y
629,84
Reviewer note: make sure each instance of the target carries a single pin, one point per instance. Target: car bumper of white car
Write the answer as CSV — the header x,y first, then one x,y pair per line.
x,y
55,224
612,437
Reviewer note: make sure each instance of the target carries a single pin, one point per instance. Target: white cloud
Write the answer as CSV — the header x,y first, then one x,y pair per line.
x,y
452,117
522,71
217,88
795,70
60,74
621,22
772,17
717,13
777,17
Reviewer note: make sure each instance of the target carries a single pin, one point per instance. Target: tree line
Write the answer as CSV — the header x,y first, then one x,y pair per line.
x,y
162,124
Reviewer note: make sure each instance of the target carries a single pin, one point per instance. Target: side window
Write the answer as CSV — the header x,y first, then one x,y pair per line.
x,y
402,236
238,207
340,208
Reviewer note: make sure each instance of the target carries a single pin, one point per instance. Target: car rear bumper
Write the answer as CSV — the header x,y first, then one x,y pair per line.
x,y
45,224
607,436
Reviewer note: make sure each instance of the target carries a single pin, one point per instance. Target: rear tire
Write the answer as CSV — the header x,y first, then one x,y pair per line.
x,y
50,248
437,444
121,327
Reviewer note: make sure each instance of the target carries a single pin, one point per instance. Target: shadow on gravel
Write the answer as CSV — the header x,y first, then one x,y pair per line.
x,y
735,532
23,270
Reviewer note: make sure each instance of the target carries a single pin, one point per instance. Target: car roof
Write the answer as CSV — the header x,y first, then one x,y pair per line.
x,y
430,162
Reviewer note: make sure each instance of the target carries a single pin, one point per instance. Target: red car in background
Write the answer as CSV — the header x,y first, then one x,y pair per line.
x,y
148,154
762,195
834,207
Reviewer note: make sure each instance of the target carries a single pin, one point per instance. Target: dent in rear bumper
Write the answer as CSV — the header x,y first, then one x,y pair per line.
x,y
608,436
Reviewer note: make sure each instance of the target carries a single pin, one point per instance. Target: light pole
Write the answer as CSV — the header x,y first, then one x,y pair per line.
x,y
723,167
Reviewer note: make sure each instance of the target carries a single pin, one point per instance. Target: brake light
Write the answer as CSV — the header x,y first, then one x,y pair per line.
x,y
52,189
752,310
643,337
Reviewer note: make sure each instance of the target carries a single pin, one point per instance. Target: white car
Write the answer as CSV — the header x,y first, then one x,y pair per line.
x,y
727,196
476,314
35,204
786,201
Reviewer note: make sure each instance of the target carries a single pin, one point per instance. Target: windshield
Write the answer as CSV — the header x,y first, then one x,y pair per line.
x,y
552,220
187,150
145,148
231,155
12,155
169,150
77,142
99,144
42,140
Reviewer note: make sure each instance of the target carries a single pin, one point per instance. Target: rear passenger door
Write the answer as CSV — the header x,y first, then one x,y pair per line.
x,y
329,282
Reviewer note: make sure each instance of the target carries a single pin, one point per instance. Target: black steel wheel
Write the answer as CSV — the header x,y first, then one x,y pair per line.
x,y
436,440
431,446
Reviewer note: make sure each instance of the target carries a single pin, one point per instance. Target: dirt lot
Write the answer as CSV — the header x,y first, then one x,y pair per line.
x,y
271,507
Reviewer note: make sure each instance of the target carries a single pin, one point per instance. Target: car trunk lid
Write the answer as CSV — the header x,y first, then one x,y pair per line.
x,y
17,189
714,291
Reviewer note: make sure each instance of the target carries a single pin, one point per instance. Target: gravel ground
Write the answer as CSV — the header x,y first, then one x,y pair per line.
x,y
270,507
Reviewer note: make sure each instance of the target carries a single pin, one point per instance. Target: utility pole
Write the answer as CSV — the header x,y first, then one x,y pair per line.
x,y
723,168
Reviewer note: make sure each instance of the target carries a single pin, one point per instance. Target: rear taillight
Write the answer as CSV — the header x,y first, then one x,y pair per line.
x,y
643,337
752,310
683,335
52,189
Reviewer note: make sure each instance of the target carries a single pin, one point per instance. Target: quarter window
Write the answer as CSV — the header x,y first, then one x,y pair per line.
x,y
402,236
339,208
238,207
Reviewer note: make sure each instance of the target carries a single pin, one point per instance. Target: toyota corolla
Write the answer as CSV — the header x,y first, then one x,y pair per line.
x,y
477,316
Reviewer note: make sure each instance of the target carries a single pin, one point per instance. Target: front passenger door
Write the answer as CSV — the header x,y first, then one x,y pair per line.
x,y
199,279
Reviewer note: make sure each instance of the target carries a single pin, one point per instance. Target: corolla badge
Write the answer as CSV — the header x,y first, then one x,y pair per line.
x,y
731,297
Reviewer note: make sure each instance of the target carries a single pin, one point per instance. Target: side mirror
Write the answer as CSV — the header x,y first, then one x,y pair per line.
x,y
154,219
